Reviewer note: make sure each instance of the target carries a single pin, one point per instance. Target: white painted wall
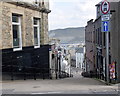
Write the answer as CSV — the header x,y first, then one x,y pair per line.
x,y
79,60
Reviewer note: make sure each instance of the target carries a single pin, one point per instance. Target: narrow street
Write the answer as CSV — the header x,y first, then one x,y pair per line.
x,y
73,85
46,44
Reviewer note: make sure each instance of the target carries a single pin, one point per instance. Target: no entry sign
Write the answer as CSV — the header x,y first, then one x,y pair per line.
x,y
105,7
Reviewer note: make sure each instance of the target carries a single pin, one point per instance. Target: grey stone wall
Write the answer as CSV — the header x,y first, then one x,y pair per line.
x,y
89,40
44,32
6,10
115,38
6,28
45,28
119,44
28,29
1,24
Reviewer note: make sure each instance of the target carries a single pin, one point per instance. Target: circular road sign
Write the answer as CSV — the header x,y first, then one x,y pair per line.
x,y
105,7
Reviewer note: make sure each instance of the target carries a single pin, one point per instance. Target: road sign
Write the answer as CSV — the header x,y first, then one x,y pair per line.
x,y
105,17
105,7
105,26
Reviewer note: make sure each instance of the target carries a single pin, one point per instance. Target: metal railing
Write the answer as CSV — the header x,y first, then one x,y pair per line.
x,y
24,73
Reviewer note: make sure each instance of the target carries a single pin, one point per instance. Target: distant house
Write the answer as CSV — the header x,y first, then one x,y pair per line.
x,y
24,37
79,57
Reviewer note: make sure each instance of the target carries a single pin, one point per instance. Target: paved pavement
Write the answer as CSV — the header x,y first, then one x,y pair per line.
x,y
73,85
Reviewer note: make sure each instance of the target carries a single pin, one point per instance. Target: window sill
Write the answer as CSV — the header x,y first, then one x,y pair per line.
x,y
36,46
17,49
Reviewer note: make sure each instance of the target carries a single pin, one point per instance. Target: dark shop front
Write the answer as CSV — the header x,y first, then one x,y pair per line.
x,y
29,63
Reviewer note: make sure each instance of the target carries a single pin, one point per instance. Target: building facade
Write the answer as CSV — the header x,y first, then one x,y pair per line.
x,y
114,37
100,39
79,57
89,46
99,44
27,17
24,35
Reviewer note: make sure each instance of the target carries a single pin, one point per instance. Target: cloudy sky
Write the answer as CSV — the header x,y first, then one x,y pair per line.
x,y
71,13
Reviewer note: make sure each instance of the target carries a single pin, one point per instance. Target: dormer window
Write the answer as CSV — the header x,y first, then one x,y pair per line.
x,y
42,2
37,2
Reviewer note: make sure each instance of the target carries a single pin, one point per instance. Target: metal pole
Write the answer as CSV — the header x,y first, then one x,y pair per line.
x,y
107,56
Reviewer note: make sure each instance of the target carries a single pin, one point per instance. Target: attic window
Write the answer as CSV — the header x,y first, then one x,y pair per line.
x,y
36,2
42,3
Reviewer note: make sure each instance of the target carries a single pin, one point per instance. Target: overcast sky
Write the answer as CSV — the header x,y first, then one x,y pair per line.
x,y
71,13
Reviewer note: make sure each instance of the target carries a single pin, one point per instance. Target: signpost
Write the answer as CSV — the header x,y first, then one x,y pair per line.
x,y
105,7
105,17
105,26
105,10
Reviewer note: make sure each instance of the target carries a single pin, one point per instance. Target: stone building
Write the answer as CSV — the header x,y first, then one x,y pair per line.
x,y
115,37
99,44
89,40
26,14
79,57
23,33
100,50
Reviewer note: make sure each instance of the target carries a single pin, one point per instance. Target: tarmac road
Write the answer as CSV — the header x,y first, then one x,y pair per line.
x,y
73,85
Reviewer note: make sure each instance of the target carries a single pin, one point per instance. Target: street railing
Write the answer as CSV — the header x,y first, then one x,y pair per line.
x,y
22,73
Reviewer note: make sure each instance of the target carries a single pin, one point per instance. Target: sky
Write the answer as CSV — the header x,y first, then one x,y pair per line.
x,y
71,13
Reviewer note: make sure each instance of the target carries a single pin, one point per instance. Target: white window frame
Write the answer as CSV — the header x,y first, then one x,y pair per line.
x,y
38,32
20,33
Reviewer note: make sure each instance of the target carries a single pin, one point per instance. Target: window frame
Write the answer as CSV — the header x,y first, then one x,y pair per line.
x,y
38,32
20,32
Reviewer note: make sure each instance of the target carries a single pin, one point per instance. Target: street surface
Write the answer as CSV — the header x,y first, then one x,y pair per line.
x,y
73,85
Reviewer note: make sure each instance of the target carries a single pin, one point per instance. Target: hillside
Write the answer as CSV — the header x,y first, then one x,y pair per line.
x,y
69,35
